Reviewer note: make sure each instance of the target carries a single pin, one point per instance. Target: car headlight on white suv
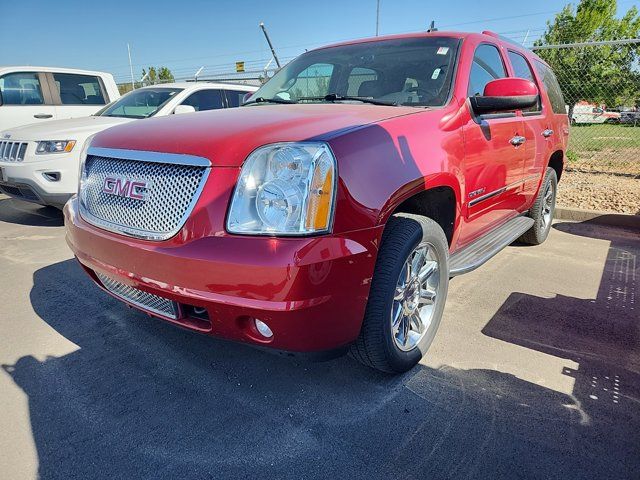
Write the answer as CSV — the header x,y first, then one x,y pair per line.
x,y
55,146
285,189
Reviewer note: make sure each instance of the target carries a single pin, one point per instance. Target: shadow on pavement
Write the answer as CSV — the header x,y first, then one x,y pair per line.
x,y
143,399
30,214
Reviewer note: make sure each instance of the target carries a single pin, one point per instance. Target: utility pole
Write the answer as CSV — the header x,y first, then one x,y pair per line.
x,y
377,17
273,52
133,82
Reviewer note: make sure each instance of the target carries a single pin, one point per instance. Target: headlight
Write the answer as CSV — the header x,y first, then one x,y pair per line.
x,y
55,146
83,158
285,189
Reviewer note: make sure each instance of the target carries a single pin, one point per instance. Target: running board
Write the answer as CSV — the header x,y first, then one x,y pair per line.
x,y
477,253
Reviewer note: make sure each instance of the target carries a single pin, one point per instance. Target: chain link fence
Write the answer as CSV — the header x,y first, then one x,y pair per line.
x,y
603,104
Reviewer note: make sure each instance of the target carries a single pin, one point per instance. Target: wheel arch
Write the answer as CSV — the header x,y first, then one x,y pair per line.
x,y
436,197
556,161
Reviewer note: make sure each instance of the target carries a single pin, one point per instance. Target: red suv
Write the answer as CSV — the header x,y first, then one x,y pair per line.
x,y
330,211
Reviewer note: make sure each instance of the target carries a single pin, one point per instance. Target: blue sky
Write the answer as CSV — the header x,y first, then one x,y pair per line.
x,y
187,35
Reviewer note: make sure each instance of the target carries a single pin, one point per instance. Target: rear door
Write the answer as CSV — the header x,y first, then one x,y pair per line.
x,y
538,130
235,98
493,163
25,99
76,95
206,99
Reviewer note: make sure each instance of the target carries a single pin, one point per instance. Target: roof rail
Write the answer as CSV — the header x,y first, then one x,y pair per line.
x,y
503,38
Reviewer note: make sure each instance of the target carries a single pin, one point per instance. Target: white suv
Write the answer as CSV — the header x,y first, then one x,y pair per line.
x,y
40,94
39,163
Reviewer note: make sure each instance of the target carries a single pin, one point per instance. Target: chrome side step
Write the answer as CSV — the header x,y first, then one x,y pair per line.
x,y
477,253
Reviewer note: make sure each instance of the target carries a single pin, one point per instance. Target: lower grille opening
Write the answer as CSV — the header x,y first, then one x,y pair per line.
x,y
146,301
190,316
19,190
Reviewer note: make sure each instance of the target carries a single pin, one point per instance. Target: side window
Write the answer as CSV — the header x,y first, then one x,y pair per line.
x,y
21,89
77,89
552,87
357,78
487,66
205,100
235,97
521,69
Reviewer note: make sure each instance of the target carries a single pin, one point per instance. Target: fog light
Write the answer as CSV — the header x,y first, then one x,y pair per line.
x,y
263,328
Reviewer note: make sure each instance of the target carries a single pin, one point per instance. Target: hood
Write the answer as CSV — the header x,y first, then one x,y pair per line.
x,y
70,129
226,137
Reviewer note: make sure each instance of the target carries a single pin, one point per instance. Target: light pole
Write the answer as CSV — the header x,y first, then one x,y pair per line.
x,y
133,82
377,17
273,51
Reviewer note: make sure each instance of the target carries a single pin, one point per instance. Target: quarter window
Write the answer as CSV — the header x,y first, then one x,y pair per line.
x,y
79,89
521,69
21,89
205,100
487,66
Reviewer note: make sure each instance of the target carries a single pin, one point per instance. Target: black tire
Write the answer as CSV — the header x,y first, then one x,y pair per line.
x,y
539,232
375,346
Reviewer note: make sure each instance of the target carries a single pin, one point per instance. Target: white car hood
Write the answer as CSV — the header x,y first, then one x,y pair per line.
x,y
71,129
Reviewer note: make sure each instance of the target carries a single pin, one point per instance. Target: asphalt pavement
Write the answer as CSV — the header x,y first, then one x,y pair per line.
x,y
535,373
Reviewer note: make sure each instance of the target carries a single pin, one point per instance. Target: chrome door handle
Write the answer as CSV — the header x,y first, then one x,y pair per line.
x,y
547,133
517,141
42,115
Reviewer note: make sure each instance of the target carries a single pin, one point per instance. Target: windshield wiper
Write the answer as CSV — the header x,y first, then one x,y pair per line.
x,y
334,97
268,100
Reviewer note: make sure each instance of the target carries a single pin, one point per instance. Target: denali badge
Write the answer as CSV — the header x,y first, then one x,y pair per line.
x,y
125,187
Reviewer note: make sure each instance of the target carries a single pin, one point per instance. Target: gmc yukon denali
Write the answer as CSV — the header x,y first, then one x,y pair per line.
x,y
329,213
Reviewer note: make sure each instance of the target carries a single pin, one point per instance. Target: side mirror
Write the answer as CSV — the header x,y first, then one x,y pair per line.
x,y
504,95
184,109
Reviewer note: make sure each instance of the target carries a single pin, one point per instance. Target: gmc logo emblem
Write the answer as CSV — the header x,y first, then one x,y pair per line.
x,y
124,187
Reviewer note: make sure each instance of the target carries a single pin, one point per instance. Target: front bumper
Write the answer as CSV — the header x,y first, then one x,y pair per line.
x,y
312,292
47,179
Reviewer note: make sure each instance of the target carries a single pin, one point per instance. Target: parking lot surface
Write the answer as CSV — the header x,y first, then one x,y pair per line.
x,y
535,373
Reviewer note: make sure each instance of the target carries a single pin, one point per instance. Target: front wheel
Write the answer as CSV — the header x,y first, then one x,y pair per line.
x,y
407,296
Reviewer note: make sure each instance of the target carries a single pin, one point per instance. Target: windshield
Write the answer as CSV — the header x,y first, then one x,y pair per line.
x,y
414,72
141,103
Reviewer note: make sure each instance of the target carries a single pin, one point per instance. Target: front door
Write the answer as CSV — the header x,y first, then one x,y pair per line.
x,y
25,99
494,155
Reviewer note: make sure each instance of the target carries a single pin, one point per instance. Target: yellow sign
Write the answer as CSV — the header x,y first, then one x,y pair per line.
x,y
239,67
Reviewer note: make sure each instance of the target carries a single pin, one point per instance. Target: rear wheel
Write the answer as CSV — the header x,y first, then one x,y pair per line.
x,y
407,296
542,210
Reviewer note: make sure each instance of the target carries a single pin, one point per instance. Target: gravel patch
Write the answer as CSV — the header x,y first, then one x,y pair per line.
x,y
597,191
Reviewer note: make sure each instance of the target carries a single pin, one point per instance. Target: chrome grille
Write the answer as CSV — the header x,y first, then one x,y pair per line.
x,y
171,191
12,151
147,301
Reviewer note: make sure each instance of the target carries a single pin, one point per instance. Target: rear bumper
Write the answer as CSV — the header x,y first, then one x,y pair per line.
x,y
312,292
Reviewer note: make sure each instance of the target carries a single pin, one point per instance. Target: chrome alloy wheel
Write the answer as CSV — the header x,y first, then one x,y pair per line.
x,y
547,205
415,297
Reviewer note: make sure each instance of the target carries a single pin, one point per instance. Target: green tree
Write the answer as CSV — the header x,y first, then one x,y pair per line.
x,y
165,75
606,74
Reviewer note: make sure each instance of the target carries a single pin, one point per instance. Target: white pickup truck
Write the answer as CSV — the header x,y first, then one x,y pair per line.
x,y
39,94
39,163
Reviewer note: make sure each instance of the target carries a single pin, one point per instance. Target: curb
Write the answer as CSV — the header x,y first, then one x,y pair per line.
x,y
602,218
